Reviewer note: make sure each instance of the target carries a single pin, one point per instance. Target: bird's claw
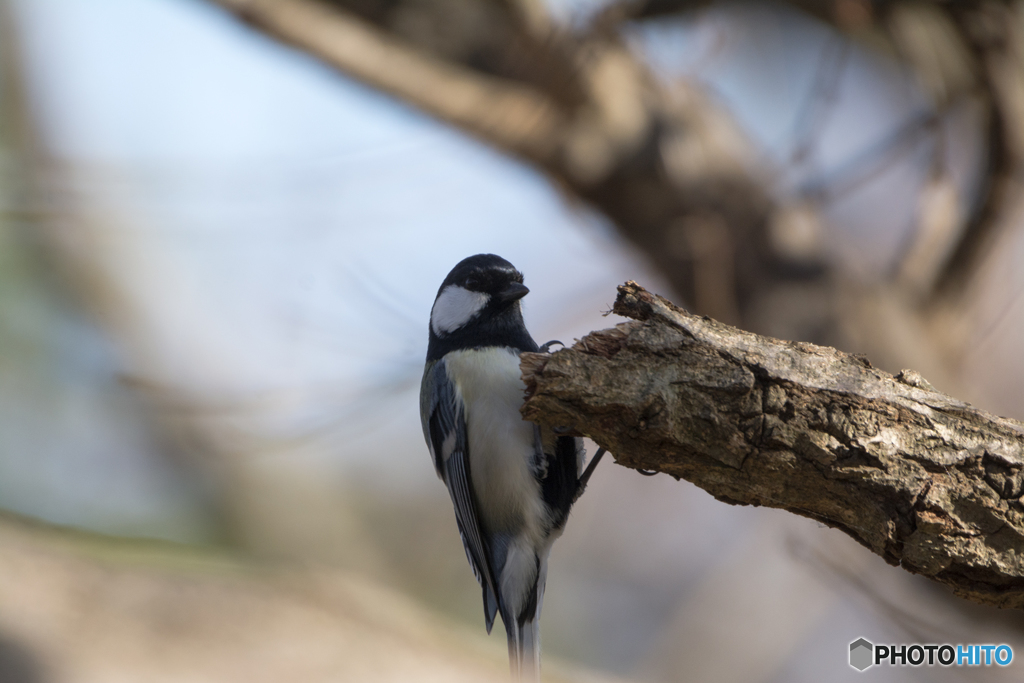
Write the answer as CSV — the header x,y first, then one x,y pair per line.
x,y
546,348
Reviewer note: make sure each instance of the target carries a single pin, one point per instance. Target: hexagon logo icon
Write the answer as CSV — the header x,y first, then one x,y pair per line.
x,y
861,654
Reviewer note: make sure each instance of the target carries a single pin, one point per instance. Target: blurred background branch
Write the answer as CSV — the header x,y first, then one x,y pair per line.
x,y
665,163
217,257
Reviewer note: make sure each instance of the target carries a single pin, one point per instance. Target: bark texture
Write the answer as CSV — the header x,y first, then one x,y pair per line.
x,y
924,480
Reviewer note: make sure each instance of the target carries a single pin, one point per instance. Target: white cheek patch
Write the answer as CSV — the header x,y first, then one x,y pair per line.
x,y
455,307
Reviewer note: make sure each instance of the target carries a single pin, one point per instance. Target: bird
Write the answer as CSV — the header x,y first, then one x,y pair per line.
x,y
511,482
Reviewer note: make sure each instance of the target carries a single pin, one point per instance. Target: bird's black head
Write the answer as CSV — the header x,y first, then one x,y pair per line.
x,y
477,305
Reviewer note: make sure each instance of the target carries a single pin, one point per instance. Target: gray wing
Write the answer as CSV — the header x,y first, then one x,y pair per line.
x,y
444,426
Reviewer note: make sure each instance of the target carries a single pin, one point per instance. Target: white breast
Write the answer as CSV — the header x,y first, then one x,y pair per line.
x,y
501,443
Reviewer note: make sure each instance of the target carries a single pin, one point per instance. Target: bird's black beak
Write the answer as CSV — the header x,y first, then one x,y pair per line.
x,y
513,292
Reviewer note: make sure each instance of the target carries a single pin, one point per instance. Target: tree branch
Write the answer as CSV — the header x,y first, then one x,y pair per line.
x,y
995,40
922,479
509,114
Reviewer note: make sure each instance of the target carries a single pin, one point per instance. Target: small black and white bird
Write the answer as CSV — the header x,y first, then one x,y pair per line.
x,y
512,482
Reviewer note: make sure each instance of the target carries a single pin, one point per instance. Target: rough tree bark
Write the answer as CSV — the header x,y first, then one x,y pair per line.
x,y
924,480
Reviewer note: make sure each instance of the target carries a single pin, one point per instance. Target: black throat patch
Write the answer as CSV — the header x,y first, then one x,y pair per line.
x,y
502,328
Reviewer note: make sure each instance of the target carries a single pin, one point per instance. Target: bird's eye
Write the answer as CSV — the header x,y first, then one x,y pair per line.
x,y
472,282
